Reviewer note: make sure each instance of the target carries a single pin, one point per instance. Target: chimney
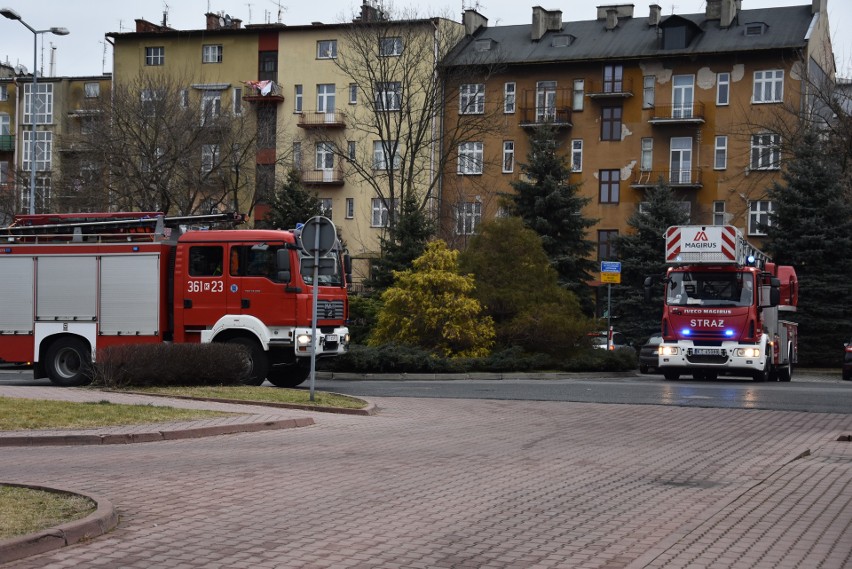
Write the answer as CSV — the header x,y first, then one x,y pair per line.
x,y
622,11
611,18
654,16
714,10
544,21
729,13
370,13
472,21
212,21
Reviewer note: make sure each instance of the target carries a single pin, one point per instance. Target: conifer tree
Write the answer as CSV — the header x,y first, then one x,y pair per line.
x,y
292,204
551,206
811,229
404,241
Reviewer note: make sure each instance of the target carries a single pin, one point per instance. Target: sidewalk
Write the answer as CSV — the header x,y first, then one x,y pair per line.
x,y
461,483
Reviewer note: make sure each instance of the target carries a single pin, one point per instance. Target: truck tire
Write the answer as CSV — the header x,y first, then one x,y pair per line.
x,y
68,362
643,368
785,372
761,376
671,375
289,375
259,361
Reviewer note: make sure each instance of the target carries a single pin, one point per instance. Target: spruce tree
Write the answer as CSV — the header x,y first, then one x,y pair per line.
x,y
642,254
811,229
292,204
404,242
551,206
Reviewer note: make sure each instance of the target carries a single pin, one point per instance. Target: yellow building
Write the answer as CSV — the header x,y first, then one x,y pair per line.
x,y
694,99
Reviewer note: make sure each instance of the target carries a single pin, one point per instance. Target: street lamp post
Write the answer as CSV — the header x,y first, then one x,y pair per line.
x,y
12,15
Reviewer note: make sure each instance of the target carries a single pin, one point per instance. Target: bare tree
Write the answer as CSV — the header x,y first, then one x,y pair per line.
x,y
161,146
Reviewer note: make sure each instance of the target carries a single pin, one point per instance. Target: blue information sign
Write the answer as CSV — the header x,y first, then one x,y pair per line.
x,y
610,266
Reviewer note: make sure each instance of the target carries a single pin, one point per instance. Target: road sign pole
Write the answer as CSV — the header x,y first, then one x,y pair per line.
x,y
315,282
609,316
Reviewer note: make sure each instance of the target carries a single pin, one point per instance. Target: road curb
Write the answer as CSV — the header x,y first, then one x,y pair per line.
x,y
370,409
101,521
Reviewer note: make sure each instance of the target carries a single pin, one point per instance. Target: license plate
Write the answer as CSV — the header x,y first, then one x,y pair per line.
x,y
331,338
706,352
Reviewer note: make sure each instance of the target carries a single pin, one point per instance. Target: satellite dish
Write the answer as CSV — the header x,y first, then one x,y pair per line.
x,y
20,69
221,22
227,21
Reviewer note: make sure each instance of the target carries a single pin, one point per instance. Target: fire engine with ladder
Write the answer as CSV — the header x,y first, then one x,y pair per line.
x,y
724,306
76,283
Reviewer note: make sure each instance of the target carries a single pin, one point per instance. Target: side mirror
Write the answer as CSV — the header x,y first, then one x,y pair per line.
x,y
648,282
347,267
282,259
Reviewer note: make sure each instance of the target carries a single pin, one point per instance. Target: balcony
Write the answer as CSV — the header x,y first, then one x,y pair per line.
x,y
683,178
319,119
263,92
7,143
621,89
690,113
328,177
545,107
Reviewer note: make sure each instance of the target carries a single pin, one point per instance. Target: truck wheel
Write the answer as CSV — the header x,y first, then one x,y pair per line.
x,y
671,375
68,362
289,375
259,361
643,368
761,376
785,372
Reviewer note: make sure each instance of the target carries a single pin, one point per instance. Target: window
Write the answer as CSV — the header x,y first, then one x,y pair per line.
x,y
379,217
4,172
238,101
205,261
681,160
755,29
43,150
470,158
606,244
4,93
351,150
472,99
297,100
389,96
326,207
350,208
382,152
648,82
509,98
610,123
5,122
326,49
723,88
150,100
609,185
184,98
468,218
721,154
508,156
92,90
545,101
297,155
325,156
647,159
155,55
353,93
87,124
43,103
209,157
325,98
613,77
758,217
719,216
765,151
579,93
683,93
577,155
211,54
768,86
267,65
390,46
152,163
211,106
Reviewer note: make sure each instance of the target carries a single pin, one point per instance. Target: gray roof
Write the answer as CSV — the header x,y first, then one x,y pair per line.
x,y
634,38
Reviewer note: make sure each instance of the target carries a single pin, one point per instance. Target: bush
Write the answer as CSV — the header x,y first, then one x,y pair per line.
x,y
363,314
152,365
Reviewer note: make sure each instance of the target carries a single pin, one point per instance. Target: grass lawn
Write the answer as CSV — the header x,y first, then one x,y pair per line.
x,y
26,510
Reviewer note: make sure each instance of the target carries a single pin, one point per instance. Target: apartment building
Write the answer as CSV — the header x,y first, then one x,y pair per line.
x,y
329,100
62,108
692,99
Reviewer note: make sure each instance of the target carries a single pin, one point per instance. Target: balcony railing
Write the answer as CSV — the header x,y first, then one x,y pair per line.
x,y
7,142
329,177
620,89
690,113
320,119
678,178
259,91
545,106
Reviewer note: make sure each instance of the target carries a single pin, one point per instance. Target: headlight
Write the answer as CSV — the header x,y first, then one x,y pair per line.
x,y
346,339
303,339
748,352
669,350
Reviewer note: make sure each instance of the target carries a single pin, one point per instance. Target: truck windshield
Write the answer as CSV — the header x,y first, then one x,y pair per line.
x,y
324,280
695,288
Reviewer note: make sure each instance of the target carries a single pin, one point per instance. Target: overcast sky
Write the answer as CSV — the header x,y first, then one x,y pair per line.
x,y
84,51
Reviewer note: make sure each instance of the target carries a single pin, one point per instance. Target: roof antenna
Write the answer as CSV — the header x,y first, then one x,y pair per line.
x,y
165,15
249,9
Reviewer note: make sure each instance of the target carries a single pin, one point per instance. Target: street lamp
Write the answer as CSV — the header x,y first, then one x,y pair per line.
x,y
12,15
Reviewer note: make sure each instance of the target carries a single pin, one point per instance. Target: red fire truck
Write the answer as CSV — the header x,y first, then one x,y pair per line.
x,y
724,303
75,283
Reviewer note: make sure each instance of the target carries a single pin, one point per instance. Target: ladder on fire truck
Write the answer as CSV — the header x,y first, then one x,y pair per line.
x,y
113,226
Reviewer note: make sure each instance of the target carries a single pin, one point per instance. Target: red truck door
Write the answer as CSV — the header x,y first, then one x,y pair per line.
x,y
256,286
203,284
